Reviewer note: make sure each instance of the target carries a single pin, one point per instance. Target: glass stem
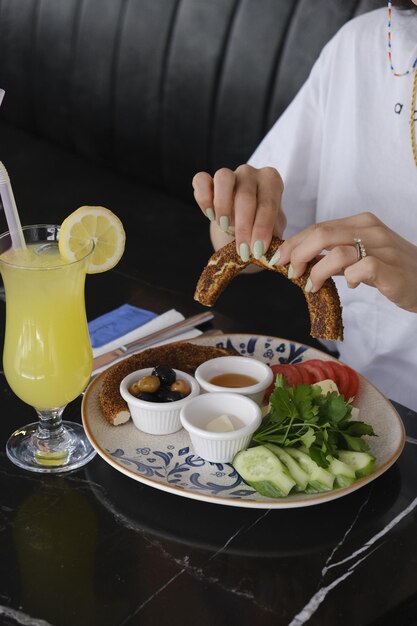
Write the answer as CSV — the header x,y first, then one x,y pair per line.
x,y
50,423
52,442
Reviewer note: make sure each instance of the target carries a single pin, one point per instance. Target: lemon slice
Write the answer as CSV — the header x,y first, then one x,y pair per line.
x,y
92,223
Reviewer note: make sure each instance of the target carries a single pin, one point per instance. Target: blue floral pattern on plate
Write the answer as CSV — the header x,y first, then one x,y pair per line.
x,y
268,347
170,464
180,468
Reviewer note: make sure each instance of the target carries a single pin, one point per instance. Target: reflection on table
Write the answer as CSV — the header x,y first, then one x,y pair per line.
x,y
95,547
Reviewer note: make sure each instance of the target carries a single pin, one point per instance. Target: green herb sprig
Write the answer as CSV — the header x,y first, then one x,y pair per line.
x,y
301,416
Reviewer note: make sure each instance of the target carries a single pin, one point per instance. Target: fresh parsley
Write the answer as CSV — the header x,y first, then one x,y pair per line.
x,y
301,416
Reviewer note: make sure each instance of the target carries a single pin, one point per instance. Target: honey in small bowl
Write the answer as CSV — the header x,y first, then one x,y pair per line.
x,y
237,374
231,379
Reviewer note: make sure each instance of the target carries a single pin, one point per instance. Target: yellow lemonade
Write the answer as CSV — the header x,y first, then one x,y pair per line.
x,y
47,355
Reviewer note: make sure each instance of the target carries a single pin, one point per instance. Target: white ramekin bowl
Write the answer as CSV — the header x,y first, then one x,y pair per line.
x,y
156,418
220,447
236,365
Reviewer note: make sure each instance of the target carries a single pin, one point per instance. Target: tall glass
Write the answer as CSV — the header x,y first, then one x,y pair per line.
x,y
47,356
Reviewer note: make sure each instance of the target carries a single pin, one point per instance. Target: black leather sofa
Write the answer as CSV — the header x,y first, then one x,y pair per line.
x,y
120,102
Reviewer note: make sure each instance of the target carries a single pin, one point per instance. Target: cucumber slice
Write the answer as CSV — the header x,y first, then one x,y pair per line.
x,y
295,471
363,463
262,470
309,489
319,478
344,473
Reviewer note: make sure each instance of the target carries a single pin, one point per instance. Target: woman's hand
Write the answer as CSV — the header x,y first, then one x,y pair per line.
x,y
390,263
245,204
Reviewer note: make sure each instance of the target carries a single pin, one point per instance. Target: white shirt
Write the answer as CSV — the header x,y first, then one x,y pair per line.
x,y
342,147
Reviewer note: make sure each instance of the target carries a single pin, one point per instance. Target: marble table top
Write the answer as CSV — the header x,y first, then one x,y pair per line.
x,y
95,547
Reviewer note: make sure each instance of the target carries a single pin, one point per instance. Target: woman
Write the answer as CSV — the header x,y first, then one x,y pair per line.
x,y
339,166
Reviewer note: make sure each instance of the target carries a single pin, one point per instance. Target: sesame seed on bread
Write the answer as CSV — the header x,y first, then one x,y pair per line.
x,y
324,306
180,355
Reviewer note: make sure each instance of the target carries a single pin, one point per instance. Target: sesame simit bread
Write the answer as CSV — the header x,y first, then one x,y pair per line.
x,y
324,306
179,355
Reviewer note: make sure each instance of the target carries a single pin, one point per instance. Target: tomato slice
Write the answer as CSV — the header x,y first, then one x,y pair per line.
x,y
353,382
341,378
307,377
313,371
292,375
328,371
313,367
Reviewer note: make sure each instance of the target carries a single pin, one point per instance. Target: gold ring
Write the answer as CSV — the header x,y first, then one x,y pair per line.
x,y
360,248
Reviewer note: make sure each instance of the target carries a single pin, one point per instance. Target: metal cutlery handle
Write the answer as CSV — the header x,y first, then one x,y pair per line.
x,y
169,331
149,340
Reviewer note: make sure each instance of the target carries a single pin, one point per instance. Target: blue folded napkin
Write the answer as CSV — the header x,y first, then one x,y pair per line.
x,y
117,323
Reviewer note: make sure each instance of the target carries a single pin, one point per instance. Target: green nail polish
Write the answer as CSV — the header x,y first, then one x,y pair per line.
x,y
224,223
258,249
210,214
244,252
309,285
290,271
275,258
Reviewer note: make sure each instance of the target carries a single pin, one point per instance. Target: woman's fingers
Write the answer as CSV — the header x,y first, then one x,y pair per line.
x,y
224,192
312,241
204,193
384,259
245,208
269,217
395,282
249,201
246,202
330,233
332,264
215,196
257,206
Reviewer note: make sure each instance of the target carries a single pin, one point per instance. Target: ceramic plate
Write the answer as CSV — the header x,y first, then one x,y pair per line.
x,y
169,463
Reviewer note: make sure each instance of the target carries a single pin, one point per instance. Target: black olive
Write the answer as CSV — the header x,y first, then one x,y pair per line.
x,y
166,395
165,374
161,393
149,397
173,396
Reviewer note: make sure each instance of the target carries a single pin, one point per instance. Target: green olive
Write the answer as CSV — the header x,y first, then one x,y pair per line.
x,y
182,386
134,389
150,384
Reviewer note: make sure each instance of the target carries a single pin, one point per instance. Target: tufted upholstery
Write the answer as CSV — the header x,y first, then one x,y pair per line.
x,y
160,88
120,102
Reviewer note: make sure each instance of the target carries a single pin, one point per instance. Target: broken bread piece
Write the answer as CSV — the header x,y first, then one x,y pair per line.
x,y
179,355
324,306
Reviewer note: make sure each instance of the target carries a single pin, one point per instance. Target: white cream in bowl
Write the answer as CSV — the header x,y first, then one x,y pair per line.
x,y
220,446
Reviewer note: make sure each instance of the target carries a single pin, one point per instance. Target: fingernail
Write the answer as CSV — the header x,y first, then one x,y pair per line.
x,y
258,249
244,252
224,223
290,271
275,258
211,215
309,285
